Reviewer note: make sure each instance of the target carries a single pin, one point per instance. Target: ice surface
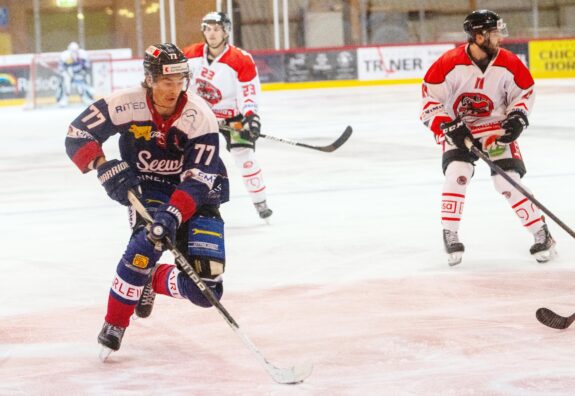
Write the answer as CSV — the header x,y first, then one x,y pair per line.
x,y
350,275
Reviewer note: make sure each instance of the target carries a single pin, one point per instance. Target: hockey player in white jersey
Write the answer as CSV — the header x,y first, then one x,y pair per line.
x,y
74,68
227,78
484,93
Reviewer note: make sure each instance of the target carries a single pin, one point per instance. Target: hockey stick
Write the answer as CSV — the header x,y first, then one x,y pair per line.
x,y
518,186
326,149
553,320
292,375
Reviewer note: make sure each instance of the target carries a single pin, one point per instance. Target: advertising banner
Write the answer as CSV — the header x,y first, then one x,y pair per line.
x,y
321,66
397,62
270,67
552,58
519,49
13,82
127,73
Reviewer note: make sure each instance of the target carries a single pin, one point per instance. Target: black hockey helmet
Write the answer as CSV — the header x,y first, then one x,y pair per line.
x,y
217,17
481,21
165,59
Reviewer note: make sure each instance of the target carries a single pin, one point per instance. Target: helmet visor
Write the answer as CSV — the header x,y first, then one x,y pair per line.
x,y
501,28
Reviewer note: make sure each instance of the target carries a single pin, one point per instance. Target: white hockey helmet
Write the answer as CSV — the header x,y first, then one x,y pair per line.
x,y
217,17
73,46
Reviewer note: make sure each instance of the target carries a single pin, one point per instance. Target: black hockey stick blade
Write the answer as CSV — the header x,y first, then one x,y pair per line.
x,y
326,149
339,141
553,320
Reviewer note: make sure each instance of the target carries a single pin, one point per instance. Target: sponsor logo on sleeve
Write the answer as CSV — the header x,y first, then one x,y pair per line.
x,y
206,178
76,133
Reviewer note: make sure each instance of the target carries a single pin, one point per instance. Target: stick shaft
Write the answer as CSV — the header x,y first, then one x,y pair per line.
x,y
518,186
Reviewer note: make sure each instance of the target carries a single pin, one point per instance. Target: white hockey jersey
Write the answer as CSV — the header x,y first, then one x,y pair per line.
x,y
455,86
230,84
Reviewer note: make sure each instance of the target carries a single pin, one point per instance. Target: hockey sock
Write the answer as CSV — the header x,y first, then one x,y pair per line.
x,y
528,213
131,275
457,177
249,167
170,281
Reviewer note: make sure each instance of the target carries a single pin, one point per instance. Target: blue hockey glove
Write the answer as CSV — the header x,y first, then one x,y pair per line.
x,y
456,132
167,219
514,124
117,178
250,127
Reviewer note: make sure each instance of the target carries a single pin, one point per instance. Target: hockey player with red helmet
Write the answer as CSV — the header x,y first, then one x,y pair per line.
x,y
227,78
169,147
484,93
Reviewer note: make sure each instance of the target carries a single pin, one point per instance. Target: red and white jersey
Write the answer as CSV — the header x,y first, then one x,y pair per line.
x,y
455,86
230,83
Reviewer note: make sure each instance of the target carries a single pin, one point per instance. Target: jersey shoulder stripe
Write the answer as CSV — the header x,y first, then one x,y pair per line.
x,y
446,63
513,64
240,61
194,51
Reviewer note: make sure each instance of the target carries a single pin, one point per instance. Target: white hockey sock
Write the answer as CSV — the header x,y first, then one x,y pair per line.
x,y
249,167
528,213
457,177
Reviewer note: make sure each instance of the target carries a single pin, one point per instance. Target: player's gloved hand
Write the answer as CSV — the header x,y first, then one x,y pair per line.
x,y
117,178
456,132
251,127
167,219
514,124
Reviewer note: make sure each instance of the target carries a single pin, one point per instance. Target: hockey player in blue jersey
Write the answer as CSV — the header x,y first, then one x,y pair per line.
x,y
74,68
169,145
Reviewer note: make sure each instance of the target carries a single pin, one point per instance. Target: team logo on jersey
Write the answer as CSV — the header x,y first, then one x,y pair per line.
x,y
473,104
144,131
148,164
208,92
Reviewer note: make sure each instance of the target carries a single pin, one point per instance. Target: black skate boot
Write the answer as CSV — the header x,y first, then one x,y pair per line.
x,y
146,302
544,247
453,247
110,338
263,210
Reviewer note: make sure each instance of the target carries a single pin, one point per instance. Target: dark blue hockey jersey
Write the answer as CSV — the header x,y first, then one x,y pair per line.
x,y
178,157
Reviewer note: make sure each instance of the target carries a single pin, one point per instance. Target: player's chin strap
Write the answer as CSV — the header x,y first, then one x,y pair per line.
x,y
292,375
517,186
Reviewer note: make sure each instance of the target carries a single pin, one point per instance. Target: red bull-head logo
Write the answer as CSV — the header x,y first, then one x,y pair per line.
x,y
473,105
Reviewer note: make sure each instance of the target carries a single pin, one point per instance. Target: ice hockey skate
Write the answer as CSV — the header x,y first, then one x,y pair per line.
x,y
110,338
453,247
544,247
263,210
146,302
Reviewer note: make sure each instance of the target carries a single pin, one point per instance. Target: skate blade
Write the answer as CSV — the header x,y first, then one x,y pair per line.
x,y
454,258
545,255
105,353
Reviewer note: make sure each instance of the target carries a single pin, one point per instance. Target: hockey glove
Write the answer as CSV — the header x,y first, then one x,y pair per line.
x,y
166,221
514,124
117,178
456,132
250,127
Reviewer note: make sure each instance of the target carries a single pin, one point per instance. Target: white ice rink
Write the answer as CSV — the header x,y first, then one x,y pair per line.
x,y
350,275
